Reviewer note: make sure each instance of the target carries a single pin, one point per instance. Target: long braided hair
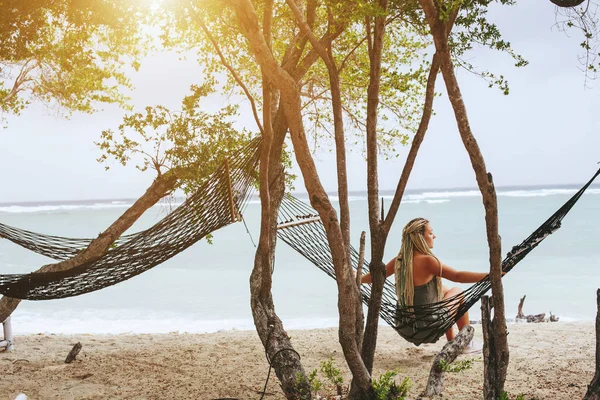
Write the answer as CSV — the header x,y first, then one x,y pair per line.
x,y
412,239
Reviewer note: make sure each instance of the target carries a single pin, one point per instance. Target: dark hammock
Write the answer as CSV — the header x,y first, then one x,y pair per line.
x,y
301,228
210,208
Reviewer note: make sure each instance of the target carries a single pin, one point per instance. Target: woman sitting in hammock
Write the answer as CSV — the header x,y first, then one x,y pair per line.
x,y
418,282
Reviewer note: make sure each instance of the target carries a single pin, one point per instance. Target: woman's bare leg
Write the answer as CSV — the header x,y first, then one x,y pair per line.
x,y
462,321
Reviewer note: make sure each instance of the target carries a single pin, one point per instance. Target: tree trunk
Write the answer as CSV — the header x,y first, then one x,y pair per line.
x,y
290,98
161,186
484,182
325,52
490,355
593,391
378,235
283,358
451,350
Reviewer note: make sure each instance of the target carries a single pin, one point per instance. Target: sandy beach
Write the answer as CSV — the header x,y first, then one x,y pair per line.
x,y
548,361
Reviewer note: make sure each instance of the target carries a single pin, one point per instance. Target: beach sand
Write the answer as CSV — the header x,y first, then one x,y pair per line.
x,y
547,361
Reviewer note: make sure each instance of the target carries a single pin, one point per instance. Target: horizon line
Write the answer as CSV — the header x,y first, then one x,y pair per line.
x,y
329,193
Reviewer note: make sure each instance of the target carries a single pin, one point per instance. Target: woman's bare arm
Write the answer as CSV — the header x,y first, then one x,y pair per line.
x,y
433,266
389,270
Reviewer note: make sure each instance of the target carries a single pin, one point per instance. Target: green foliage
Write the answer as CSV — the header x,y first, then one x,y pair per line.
x,y
506,396
190,143
300,386
68,54
456,366
332,373
473,29
387,389
315,384
403,73
584,21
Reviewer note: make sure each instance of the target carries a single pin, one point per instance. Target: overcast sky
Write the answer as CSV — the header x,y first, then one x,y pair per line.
x,y
545,132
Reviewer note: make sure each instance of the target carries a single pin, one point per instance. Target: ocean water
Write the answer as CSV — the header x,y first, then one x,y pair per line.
x,y
206,288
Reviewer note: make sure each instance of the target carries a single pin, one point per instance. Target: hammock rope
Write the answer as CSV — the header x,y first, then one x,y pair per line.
x,y
301,229
210,209
202,213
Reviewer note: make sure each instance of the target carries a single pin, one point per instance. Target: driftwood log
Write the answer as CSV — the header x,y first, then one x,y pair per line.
x,y
73,353
452,349
593,391
532,317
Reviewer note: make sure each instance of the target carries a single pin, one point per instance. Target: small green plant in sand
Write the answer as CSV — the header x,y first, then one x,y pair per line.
x,y
457,366
506,396
387,389
385,386
333,374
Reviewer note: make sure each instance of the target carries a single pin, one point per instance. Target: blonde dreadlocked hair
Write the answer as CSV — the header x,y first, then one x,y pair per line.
x,y
412,239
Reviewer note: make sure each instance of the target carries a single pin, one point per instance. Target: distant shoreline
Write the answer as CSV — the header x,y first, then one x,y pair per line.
x,y
382,192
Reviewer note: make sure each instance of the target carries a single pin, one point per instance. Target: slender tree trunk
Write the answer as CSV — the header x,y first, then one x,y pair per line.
x,y
290,99
484,181
378,235
282,356
161,186
325,52
284,359
593,391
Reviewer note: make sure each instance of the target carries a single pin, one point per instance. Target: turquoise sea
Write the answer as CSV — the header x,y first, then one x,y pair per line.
x,y
206,289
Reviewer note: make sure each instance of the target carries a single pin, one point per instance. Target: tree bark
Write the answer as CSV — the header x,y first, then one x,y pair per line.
x,y
490,354
484,181
593,391
161,186
290,99
451,350
325,52
284,359
378,236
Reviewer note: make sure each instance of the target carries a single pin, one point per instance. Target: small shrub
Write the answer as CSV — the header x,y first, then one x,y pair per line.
x,y
386,388
505,396
315,383
333,374
457,366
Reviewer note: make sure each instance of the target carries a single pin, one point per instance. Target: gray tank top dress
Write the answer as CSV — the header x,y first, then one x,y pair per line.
x,y
420,328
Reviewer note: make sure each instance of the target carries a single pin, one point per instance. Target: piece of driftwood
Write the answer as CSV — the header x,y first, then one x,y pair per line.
x,y
593,390
452,349
532,317
73,353
536,318
520,314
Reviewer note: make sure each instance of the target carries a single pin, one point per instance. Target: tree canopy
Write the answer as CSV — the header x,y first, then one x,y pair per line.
x,y
70,55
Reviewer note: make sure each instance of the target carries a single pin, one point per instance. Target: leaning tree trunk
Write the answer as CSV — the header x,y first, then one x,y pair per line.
x,y
161,186
593,392
440,32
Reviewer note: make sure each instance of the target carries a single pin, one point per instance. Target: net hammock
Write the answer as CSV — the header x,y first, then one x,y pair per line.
x,y
208,210
301,228
215,205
